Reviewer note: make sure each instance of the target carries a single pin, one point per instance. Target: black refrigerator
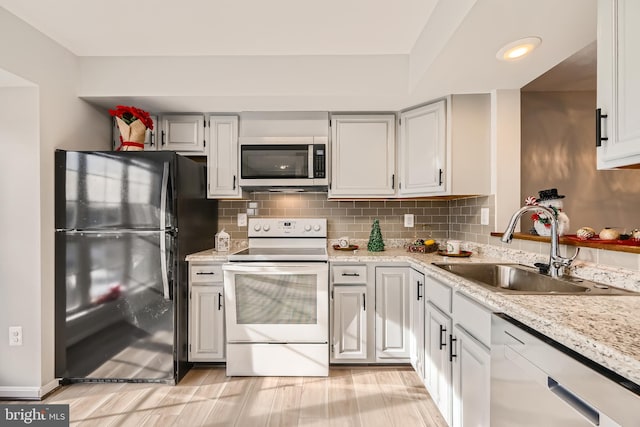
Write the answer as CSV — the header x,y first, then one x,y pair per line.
x,y
124,223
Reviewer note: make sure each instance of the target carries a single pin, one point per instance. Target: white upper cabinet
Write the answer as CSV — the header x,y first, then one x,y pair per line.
x,y
222,157
363,156
468,166
421,150
183,133
618,134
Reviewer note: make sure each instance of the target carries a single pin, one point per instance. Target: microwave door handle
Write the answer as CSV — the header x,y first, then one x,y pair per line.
x,y
310,163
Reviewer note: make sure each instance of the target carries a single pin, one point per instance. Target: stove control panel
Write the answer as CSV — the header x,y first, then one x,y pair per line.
x,y
287,227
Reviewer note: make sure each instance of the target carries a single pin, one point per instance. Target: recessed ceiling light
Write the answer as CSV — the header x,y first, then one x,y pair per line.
x,y
518,49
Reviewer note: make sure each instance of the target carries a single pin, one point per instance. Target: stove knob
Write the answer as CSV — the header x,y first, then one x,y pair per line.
x,y
256,227
307,227
266,227
316,227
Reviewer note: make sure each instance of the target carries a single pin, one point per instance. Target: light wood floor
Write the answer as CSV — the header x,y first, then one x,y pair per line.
x,y
350,396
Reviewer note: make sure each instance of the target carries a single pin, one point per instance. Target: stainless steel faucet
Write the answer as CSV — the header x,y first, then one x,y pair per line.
x,y
556,262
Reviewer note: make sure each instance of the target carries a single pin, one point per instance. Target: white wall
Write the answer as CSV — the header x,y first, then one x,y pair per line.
x,y
505,154
239,83
20,244
59,120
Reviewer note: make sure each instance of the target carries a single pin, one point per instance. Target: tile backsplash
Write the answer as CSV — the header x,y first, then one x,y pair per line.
x,y
464,219
351,218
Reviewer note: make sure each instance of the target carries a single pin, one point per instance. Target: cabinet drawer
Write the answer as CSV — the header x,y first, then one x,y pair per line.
x,y
206,273
473,317
439,294
349,274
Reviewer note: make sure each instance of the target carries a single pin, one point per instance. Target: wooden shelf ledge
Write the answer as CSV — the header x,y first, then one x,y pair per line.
x,y
570,242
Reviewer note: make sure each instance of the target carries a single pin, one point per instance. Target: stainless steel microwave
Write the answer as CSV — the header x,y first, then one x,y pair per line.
x,y
283,162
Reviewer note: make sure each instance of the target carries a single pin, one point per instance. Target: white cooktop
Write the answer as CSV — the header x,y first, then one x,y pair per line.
x,y
285,239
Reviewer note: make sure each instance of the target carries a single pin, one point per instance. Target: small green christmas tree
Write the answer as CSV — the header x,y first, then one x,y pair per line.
x,y
376,244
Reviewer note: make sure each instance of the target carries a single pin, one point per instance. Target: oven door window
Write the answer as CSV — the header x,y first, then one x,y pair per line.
x,y
274,161
276,299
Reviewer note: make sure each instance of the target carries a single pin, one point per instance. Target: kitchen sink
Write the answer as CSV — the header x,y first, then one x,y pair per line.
x,y
520,279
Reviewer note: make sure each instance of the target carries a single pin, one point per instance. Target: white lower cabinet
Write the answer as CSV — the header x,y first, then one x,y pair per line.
x,y
349,322
416,343
392,313
471,381
457,358
370,314
206,313
437,375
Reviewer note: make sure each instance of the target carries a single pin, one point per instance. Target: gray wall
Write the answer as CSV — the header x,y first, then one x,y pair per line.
x,y
558,151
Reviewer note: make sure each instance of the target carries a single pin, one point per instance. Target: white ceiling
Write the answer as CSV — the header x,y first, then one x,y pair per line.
x,y
227,27
424,49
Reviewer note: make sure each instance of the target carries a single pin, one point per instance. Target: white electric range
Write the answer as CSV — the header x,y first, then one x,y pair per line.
x,y
277,300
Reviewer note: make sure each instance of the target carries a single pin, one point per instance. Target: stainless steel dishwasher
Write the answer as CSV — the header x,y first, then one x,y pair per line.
x,y
538,382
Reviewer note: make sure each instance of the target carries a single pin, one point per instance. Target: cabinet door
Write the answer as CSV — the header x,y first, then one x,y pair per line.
x,y
416,287
206,323
222,159
150,141
183,133
438,328
618,85
422,150
471,381
349,322
363,156
392,313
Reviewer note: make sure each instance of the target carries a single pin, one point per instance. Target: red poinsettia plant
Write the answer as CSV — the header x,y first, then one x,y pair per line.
x,y
133,124
131,114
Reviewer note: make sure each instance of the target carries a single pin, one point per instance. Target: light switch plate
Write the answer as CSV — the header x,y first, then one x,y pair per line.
x,y
242,220
408,220
484,216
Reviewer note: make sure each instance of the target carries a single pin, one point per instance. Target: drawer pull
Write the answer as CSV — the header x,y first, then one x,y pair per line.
x,y
205,273
351,274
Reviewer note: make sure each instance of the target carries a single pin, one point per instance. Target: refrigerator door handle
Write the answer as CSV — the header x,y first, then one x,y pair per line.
x,y
163,239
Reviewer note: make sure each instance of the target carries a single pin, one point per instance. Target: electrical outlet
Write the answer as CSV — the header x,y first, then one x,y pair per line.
x,y
242,220
484,216
408,220
253,205
15,335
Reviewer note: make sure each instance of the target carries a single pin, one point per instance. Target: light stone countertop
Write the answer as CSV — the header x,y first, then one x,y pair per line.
x,y
605,329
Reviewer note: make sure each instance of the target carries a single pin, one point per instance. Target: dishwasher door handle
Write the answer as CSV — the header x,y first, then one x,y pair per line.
x,y
532,371
583,408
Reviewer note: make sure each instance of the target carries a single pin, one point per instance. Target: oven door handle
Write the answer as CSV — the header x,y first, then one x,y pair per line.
x,y
276,268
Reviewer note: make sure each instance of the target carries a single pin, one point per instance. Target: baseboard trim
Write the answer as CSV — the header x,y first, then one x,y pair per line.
x,y
28,393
